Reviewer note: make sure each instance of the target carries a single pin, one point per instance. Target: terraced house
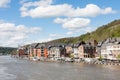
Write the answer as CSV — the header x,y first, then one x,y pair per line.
x,y
38,50
110,48
57,51
86,51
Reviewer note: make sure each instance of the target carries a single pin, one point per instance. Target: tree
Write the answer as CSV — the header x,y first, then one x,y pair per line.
x,y
118,57
100,58
71,55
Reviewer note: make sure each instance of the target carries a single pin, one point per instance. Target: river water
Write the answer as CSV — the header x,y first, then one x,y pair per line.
x,y
16,69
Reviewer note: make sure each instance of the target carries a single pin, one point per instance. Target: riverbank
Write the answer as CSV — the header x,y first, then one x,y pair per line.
x,y
22,69
59,61
100,63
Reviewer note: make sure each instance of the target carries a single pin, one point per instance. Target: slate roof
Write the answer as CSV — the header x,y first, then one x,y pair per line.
x,y
110,41
78,44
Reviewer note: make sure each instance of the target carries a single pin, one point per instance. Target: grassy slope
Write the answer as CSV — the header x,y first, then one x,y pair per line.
x,y
110,30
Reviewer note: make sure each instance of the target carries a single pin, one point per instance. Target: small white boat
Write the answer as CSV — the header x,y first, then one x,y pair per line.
x,y
35,59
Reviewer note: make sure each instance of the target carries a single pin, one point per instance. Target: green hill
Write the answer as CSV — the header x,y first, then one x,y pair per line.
x,y
7,50
112,29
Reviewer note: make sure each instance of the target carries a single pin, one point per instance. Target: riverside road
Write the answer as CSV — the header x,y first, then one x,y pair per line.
x,y
18,69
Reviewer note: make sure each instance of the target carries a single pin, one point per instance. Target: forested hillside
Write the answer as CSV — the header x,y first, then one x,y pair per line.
x,y
7,50
111,29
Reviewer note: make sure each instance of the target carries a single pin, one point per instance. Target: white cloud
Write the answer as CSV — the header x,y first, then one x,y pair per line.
x,y
40,40
72,20
45,8
69,33
23,1
73,23
3,3
55,35
82,29
88,29
12,35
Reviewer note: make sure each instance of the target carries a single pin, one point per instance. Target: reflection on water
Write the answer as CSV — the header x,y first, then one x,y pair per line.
x,y
4,75
28,70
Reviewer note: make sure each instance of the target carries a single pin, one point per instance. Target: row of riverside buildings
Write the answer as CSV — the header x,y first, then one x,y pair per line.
x,y
107,49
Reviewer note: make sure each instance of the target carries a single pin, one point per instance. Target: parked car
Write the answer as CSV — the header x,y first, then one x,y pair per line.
x,y
67,59
35,58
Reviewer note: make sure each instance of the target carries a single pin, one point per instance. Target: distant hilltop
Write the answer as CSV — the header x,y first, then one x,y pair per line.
x,y
7,50
111,29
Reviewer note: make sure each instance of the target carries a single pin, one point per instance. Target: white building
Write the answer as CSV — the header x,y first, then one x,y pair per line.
x,y
110,49
54,53
75,52
114,50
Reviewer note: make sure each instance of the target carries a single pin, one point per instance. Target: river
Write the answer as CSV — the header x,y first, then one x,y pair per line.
x,y
16,69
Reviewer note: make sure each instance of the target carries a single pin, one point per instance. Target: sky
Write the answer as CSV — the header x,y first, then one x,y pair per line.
x,y
30,21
